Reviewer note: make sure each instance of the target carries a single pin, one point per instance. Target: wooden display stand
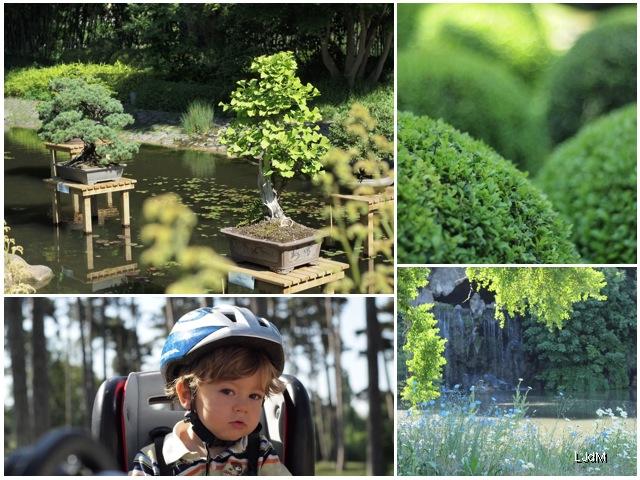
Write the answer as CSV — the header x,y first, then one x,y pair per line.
x,y
83,194
300,279
374,203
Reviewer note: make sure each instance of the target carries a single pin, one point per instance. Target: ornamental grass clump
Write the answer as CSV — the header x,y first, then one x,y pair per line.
x,y
198,119
461,202
88,112
474,95
591,180
596,76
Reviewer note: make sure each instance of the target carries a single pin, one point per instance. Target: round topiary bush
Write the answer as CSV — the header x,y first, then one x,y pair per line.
x,y
591,180
475,96
596,76
508,33
460,202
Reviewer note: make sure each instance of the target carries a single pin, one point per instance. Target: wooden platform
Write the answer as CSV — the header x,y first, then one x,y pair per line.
x,y
374,202
82,198
300,279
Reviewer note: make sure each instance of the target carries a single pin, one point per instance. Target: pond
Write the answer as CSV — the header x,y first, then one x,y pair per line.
x,y
218,189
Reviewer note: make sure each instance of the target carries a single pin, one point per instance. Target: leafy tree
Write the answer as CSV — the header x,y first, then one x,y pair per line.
x,y
596,350
425,347
274,126
86,111
548,293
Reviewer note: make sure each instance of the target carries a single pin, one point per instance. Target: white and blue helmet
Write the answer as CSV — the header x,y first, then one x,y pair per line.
x,y
205,329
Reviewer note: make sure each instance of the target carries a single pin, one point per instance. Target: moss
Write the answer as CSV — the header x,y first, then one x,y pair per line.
x,y
596,76
475,96
591,179
460,202
273,231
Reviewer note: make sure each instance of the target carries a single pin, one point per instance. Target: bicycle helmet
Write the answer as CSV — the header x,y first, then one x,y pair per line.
x,y
200,331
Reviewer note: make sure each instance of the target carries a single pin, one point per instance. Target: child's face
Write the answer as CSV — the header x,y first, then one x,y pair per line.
x,y
231,408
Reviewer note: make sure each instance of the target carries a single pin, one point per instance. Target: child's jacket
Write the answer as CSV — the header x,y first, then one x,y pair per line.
x,y
231,460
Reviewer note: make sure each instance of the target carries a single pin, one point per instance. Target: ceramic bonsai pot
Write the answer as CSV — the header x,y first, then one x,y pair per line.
x,y
278,257
90,175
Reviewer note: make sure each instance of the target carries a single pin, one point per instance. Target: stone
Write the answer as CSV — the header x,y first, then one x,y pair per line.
x,y
38,276
477,305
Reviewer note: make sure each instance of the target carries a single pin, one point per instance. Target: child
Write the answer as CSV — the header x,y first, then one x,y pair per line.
x,y
220,363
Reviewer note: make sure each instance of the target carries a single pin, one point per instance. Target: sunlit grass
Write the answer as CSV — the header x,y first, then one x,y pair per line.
x,y
448,437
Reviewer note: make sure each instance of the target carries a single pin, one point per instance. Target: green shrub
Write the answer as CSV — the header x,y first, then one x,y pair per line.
x,y
591,180
151,92
460,202
198,119
33,82
595,349
475,96
508,33
596,76
378,102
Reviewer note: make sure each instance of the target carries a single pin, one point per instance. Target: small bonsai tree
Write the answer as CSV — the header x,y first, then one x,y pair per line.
x,y
274,127
85,111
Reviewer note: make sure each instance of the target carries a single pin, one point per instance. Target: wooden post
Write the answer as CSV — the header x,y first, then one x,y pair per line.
x,y
86,214
127,243
89,239
109,199
125,209
53,163
370,223
76,208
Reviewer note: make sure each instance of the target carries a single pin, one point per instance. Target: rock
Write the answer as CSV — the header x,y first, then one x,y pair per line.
x,y
443,281
477,305
38,276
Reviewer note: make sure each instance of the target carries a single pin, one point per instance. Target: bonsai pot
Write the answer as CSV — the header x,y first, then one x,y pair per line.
x,y
279,257
90,175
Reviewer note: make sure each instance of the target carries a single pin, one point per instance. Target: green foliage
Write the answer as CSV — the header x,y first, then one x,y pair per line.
x,y
198,119
591,180
341,173
596,76
547,293
33,83
87,111
273,121
508,33
460,202
168,230
379,104
150,92
596,349
424,347
476,96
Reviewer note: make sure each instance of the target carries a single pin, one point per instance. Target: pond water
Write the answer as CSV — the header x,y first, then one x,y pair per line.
x,y
218,189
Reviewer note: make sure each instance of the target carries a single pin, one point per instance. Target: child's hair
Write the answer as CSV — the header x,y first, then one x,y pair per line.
x,y
228,363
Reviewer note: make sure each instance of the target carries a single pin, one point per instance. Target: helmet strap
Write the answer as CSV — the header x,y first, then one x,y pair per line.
x,y
203,432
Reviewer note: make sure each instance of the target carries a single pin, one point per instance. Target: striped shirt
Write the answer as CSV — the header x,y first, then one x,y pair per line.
x,y
231,460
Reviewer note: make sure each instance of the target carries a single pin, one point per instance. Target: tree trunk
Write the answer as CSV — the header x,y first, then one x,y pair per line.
x,y
103,334
327,59
40,362
374,420
334,346
86,373
169,314
15,340
268,194
134,336
388,45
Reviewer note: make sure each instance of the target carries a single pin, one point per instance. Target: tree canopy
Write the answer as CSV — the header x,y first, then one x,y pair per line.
x,y
547,293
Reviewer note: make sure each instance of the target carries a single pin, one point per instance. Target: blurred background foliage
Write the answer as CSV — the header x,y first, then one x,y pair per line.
x,y
524,78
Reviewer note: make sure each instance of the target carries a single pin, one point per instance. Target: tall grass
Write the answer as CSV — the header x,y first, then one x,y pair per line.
x,y
450,438
198,119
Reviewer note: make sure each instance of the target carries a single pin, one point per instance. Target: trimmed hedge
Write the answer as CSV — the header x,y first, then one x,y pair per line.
x,y
508,33
150,92
475,96
591,179
596,76
460,202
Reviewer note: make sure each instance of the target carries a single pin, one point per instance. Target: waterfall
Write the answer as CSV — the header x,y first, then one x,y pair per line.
x,y
478,351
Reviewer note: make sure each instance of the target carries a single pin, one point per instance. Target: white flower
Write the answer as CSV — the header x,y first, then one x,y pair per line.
x,y
600,412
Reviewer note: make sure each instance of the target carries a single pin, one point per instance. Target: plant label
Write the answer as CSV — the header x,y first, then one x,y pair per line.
x,y
242,279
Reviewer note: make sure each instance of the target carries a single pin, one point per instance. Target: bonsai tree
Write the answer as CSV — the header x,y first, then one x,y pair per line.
x,y
85,111
274,127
